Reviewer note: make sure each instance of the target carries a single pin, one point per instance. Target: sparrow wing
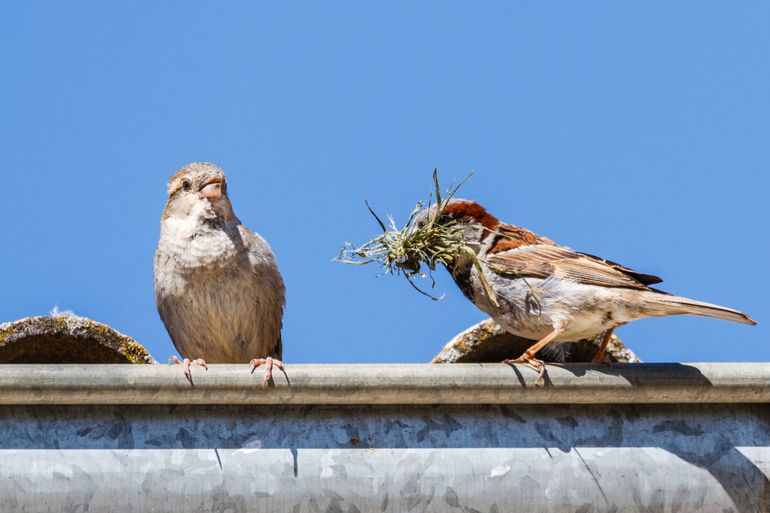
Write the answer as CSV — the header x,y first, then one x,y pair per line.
x,y
647,279
269,293
550,260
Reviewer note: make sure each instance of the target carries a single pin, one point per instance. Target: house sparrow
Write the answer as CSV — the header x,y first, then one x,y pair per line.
x,y
550,293
217,286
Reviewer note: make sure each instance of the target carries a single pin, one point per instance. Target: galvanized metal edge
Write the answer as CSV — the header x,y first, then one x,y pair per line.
x,y
388,384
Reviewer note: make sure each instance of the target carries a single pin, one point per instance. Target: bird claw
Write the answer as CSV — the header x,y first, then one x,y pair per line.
x,y
530,361
602,359
186,365
268,362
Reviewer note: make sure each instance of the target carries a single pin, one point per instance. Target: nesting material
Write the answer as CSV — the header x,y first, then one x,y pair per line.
x,y
404,251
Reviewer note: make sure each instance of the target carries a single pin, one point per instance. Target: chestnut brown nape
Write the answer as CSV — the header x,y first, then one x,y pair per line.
x,y
460,209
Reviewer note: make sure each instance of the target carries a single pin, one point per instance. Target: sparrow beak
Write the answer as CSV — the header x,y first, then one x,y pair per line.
x,y
211,188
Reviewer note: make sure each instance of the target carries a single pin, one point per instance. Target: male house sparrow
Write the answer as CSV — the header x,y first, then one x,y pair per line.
x,y
551,293
217,286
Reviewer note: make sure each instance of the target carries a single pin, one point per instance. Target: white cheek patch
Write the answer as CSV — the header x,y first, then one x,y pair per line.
x,y
181,226
190,224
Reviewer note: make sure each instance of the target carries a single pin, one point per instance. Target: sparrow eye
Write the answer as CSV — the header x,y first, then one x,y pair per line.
x,y
186,185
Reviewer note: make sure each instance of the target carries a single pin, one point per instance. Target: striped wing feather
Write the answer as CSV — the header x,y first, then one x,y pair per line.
x,y
546,260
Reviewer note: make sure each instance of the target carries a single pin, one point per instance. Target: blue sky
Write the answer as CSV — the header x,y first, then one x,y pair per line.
x,y
636,131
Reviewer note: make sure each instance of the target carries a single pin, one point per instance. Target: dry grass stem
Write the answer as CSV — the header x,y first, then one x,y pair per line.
x,y
407,249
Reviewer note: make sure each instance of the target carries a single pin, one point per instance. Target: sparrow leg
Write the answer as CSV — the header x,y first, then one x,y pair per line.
x,y
269,362
528,357
186,365
600,356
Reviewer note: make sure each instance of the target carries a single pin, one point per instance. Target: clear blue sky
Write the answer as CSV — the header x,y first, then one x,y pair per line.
x,y
636,131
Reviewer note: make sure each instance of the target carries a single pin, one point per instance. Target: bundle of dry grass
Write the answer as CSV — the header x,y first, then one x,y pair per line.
x,y
431,241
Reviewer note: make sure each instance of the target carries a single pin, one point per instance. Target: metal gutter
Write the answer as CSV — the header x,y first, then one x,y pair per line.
x,y
376,384
385,438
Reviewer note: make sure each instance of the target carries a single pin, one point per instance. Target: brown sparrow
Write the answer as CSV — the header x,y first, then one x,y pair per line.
x,y
550,293
217,286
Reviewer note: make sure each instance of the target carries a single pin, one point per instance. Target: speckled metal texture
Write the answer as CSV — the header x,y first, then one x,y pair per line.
x,y
442,458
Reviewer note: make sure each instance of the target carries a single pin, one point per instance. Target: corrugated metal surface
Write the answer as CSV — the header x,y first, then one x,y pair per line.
x,y
388,457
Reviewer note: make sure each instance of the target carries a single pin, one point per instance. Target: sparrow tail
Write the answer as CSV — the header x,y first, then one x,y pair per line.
x,y
661,304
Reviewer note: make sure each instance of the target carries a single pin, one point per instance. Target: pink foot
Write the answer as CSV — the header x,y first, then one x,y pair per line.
x,y
531,361
269,362
186,365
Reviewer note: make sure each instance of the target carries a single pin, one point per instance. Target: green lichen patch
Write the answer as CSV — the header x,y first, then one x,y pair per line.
x,y
488,342
67,339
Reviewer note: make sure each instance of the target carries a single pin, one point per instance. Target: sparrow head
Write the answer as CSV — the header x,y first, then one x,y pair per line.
x,y
461,211
198,189
471,216
468,212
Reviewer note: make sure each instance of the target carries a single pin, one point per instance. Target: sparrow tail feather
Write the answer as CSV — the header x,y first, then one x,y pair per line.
x,y
659,305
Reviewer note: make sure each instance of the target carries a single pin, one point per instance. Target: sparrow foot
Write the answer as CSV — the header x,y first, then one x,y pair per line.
x,y
605,359
186,366
601,353
268,362
531,361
